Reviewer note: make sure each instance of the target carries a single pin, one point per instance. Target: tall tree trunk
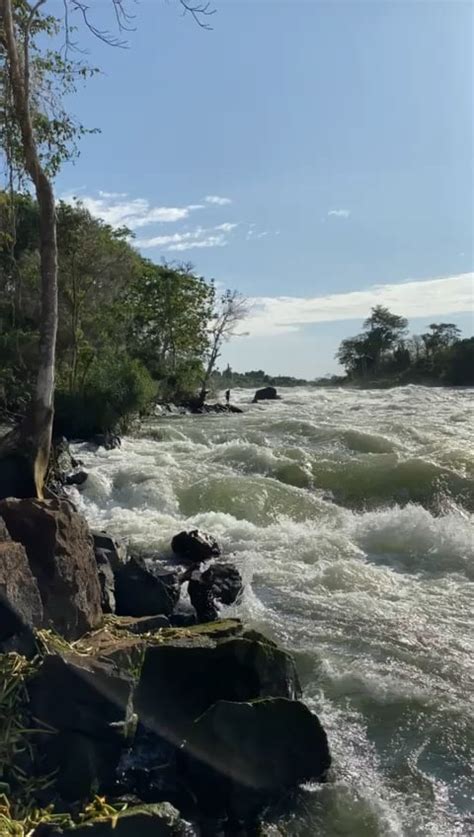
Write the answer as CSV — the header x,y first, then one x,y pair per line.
x,y
33,441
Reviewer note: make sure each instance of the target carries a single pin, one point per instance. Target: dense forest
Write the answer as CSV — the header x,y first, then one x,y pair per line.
x,y
384,353
130,331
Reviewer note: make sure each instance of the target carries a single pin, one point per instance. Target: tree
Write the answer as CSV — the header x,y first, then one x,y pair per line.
x,y
230,310
35,434
31,128
384,331
440,336
170,308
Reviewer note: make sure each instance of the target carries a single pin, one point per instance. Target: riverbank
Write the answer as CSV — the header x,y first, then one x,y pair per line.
x,y
127,708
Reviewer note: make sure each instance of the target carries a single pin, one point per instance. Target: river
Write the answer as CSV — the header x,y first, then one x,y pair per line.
x,y
349,514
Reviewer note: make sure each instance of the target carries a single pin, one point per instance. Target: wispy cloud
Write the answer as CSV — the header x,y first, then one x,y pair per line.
x,y
190,240
418,298
339,213
217,200
119,210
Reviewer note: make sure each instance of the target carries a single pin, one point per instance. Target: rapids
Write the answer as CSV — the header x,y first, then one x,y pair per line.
x,y
349,514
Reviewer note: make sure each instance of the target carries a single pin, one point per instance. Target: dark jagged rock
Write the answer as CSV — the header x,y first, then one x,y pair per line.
x,y
116,548
20,600
145,589
183,615
77,478
202,598
61,557
200,669
88,704
142,821
106,580
195,546
265,394
220,583
109,441
224,581
243,756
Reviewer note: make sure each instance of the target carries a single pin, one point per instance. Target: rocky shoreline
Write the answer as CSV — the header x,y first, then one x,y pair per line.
x,y
128,709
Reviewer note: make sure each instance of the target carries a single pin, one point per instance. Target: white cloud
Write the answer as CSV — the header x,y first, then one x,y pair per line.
x,y
217,201
118,210
193,239
418,298
339,213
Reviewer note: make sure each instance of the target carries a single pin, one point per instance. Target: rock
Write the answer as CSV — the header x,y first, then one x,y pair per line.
x,y
221,582
195,546
246,755
144,624
265,394
183,615
224,581
61,557
77,478
106,581
20,600
88,705
116,548
107,440
145,589
199,667
142,821
202,598
4,533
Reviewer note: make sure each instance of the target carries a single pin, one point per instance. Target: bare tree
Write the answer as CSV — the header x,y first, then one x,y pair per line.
x,y
231,309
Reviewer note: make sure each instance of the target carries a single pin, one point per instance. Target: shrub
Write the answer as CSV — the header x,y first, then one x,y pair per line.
x,y
116,389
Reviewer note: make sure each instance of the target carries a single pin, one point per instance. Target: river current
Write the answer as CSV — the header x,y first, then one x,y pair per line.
x,y
349,514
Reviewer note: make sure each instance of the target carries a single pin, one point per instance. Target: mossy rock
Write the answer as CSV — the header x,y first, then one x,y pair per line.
x,y
144,821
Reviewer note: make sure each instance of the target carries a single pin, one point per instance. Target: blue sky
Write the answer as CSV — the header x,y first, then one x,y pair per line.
x,y
303,152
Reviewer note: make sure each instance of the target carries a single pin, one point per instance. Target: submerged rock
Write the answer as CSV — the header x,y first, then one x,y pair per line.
x,y
109,441
224,581
61,557
243,756
265,394
195,546
145,589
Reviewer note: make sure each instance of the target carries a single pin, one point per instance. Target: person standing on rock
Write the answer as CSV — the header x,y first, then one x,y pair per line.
x,y
227,397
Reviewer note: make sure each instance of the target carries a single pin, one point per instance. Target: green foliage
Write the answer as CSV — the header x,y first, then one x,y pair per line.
x,y
383,353
117,388
169,311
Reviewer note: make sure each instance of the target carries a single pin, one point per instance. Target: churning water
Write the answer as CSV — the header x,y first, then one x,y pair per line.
x,y
350,516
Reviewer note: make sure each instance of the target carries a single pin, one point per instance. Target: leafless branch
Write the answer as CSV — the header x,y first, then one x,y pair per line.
x,y
199,11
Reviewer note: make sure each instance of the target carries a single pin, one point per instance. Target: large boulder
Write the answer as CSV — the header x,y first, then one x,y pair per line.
x,y
20,600
84,707
200,667
141,821
144,588
195,547
265,394
224,581
243,756
61,557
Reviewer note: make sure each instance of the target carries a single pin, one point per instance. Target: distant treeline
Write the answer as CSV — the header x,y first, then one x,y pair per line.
x,y
385,353
227,379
